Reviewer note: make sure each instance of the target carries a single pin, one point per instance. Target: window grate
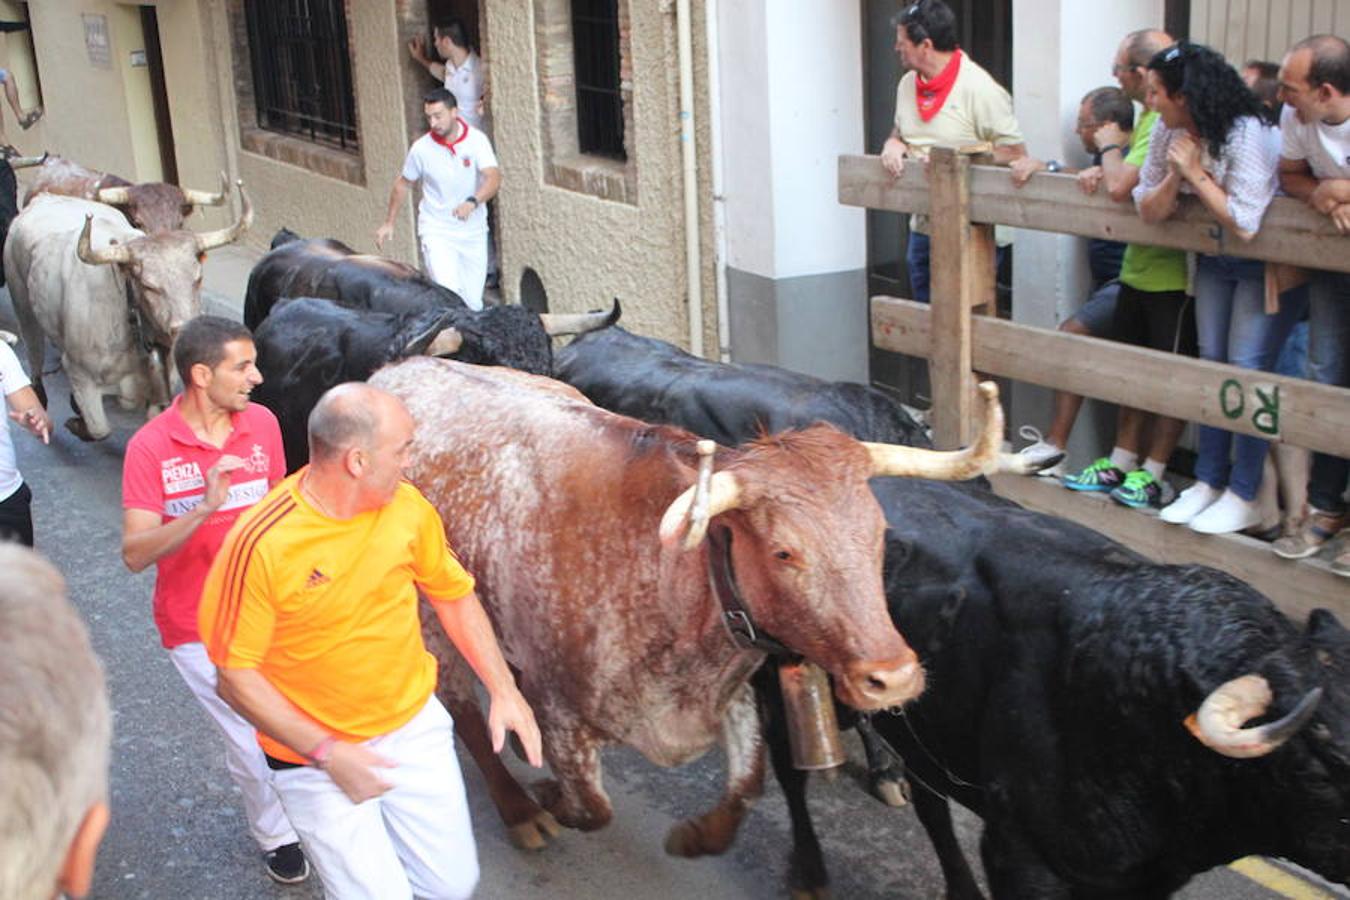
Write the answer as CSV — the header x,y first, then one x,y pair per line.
x,y
302,78
595,43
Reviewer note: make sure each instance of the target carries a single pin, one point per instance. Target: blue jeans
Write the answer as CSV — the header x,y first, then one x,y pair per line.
x,y
916,257
1329,363
1234,328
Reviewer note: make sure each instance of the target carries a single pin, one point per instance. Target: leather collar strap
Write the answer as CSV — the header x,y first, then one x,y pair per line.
x,y
735,617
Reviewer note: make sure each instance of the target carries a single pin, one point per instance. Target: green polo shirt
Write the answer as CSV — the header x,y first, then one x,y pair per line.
x,y
1147,268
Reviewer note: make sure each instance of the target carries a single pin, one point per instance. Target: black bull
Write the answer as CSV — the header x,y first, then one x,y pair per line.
x,y
9,204
1061,669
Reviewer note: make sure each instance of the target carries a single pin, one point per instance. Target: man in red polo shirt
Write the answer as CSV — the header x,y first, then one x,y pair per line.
x,y
187,475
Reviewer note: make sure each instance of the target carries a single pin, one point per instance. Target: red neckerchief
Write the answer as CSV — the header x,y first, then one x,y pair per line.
x,y
450,145
931,95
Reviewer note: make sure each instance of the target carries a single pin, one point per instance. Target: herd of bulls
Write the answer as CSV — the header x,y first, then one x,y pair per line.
x,y
1118,725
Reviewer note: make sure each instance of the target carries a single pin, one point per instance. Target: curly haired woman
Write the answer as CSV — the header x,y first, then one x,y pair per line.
x,y
1213,143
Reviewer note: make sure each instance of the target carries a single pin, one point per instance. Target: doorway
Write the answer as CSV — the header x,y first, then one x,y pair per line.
x,y
985,32
137,56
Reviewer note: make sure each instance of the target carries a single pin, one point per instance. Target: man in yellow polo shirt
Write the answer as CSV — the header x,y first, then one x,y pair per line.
x,y
944,99
310,614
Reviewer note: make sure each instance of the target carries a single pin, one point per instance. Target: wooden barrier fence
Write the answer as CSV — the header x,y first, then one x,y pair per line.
x,y
970,199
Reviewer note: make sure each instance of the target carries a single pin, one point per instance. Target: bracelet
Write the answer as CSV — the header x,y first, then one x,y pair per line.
x,y
1109,147
322,752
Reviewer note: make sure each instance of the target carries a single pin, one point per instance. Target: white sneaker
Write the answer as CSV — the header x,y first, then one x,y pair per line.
x,y
1189,504
1040,452
1227,514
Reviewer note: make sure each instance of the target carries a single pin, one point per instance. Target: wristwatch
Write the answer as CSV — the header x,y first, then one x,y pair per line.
x,y
1053,165
471,199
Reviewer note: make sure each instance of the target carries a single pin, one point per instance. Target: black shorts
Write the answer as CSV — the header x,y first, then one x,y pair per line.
x,y
16,516
1162,320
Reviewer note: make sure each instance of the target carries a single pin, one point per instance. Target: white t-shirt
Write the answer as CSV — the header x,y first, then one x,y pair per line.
x,y
466,83
1325,147
449,176
12,378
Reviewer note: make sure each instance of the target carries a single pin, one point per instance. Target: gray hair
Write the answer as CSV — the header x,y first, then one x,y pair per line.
x,y
1142,45
344,417
55,725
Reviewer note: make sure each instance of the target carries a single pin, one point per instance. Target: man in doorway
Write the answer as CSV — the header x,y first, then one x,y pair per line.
x,y
943,98
459,175
187,476
363,752
461,73
1315,167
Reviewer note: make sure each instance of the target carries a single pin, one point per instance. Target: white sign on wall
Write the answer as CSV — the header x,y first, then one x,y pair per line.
x,y
97,42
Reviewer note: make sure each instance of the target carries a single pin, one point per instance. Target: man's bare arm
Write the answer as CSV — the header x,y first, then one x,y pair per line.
x,y
1296,178
147,538
249,693
470,631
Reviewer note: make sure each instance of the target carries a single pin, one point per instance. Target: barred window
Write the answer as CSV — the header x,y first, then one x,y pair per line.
x,y
595,43
302,77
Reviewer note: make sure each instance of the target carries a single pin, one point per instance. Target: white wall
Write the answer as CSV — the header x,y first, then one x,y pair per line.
x,y
1060,52
792,102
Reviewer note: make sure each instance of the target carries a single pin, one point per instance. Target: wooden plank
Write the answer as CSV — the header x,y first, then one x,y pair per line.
x,y
1290,231
1298,412
863,182
950,270
1296,587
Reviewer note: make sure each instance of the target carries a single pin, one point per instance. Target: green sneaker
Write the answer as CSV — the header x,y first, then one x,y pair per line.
x,y
1100,476
1142,491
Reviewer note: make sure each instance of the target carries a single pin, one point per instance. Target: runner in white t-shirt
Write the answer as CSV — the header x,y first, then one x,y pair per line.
x,y
460,70
16,516
459,175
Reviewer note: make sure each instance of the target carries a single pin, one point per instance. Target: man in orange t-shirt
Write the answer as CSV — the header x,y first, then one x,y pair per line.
x,y
310,614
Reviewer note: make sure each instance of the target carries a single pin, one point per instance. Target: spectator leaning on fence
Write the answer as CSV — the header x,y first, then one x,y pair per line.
x,y
54,732
1315,167
944,98
1152,309
1213,143
1094,317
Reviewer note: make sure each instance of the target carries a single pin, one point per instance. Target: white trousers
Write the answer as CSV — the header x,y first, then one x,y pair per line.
x,y
414,839
457,262
267,820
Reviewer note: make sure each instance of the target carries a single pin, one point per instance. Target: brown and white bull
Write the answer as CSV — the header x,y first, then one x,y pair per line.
x,y
586,534
110,297
154,206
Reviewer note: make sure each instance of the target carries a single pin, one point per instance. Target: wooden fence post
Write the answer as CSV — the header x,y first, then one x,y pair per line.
x,y
953,261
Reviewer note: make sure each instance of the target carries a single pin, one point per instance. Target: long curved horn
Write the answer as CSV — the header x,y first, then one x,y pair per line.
x,y
114,196
558,323
1218,723
723,493
981,458
206,198
209,240
26,162
448,341
113,253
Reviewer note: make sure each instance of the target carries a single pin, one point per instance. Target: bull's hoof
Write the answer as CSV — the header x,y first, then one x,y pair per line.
x,y
891,791
127,403
76,426
820,893
535,833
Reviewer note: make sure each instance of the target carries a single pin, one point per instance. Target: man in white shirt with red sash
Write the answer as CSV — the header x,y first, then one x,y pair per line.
x,y
459,175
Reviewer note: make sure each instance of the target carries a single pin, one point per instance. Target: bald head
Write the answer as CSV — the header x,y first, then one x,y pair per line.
x,y
349,415
1328,61
1141,46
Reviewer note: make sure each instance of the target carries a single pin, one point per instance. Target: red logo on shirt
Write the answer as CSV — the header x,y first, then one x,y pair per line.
x,y
466,163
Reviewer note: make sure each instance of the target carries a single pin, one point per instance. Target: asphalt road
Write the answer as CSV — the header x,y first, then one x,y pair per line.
x,y
177,830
